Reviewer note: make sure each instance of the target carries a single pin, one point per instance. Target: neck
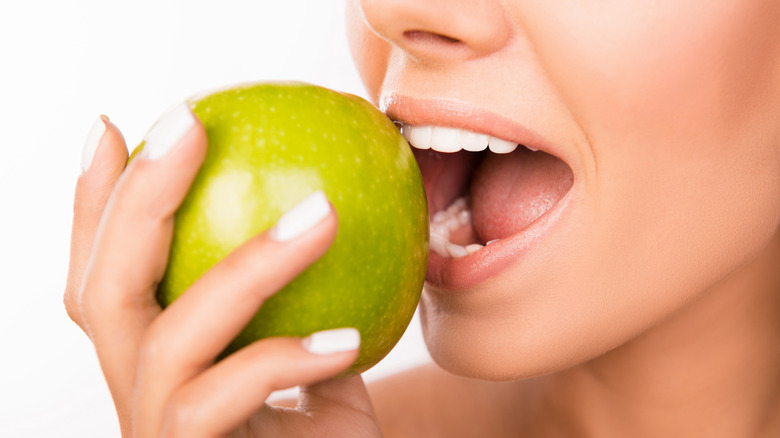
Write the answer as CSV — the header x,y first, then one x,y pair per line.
x,y
712,370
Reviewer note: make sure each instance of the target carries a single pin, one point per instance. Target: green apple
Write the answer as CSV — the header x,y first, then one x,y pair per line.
x,y
269,146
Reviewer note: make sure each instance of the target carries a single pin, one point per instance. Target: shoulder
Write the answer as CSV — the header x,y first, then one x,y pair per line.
x,y
409,403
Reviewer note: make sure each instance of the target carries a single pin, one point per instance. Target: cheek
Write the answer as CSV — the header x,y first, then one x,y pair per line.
x,y
682,123
662,59
369,52
671,84
677,100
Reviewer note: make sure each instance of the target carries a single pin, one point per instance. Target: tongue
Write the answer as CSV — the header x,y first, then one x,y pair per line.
x,y
509,192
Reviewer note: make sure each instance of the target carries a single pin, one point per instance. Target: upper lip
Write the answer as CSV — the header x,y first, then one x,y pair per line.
x,y
458,114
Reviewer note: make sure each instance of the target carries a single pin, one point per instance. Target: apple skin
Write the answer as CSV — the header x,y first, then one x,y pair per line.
x,y
269,146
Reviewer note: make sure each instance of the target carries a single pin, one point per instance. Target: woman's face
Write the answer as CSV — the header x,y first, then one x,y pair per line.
x,y
657,175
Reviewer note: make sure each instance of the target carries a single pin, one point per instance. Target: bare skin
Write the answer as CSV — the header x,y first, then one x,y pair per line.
x,y
644,304
677,337
160,366
709,371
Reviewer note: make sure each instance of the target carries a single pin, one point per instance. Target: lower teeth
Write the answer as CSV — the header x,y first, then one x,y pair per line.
x,y
444,223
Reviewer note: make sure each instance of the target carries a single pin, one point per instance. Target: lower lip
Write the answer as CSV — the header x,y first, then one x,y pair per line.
x,y
468,272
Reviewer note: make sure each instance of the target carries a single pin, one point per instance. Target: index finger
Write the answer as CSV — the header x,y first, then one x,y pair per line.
x,y
117,299
104,159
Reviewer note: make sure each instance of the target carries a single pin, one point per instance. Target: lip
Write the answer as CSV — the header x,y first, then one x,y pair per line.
x,y
458,114
468,272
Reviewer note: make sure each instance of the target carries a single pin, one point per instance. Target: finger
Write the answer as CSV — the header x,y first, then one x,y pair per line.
x,y
187,337
227,395
131,247
103,159
200,324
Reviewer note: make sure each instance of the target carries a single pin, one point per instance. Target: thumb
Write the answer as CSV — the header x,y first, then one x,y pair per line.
x,y
337,394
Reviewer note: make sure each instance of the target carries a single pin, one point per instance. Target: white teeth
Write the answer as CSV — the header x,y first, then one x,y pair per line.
x,y
456,251
444,223
445,139
457,206
439,217
439,229
420,135
439,245
471,141
499,146
458,214
464,217
474,247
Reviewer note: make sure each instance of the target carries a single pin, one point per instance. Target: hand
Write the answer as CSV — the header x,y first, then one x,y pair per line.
x,y
159,364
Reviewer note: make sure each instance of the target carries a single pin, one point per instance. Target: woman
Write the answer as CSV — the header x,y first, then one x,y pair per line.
x,y
630,287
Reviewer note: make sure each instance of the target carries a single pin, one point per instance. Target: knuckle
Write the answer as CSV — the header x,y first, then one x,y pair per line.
x,y
233,265
241,263
278,359
153,348
82,306
71,307
182,415
89,305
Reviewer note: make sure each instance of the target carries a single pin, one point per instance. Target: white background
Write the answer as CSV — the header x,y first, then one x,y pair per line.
x,y
62,63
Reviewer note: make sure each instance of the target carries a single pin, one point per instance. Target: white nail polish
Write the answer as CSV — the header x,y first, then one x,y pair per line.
x,y
91,143
302,217
167,132
332,341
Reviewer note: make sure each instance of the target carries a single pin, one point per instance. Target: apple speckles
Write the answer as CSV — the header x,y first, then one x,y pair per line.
x,y
316,139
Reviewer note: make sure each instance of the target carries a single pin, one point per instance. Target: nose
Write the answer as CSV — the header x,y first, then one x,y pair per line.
x,y
439,30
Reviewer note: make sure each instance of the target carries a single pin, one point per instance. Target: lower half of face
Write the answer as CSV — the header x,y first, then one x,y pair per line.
x,y
618,164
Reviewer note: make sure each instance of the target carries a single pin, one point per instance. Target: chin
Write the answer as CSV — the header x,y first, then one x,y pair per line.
x,y
506,340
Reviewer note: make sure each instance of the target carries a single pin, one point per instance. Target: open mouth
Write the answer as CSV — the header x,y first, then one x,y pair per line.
x,y
483,190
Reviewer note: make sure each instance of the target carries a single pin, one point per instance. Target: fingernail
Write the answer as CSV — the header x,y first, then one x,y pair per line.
x,y
301,218
332,341
91,143
167,132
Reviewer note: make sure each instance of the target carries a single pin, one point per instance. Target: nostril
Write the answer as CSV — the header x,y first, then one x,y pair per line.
x,y
439,31
421,36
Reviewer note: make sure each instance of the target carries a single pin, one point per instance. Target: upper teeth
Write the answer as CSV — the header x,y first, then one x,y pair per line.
x,y
444,139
